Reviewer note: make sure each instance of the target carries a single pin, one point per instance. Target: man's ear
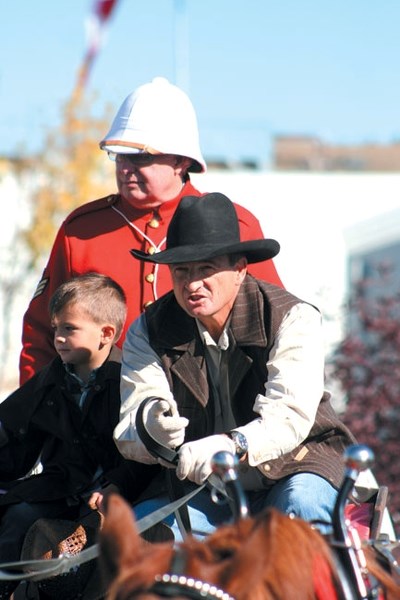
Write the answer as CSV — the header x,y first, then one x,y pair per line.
x,y
241,269
183,163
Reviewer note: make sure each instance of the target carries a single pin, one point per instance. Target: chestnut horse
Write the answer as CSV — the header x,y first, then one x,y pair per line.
x,y
268,557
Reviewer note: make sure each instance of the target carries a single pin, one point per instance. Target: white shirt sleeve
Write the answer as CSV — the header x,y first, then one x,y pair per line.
x,y
294,388
286,410
143,380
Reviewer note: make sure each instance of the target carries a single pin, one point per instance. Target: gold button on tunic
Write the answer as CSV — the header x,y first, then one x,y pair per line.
x,y
154,223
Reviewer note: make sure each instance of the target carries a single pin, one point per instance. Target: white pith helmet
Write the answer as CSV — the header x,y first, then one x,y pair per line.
x,y
157,118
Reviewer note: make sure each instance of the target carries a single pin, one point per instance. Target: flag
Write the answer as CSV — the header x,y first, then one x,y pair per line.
x,y
96,27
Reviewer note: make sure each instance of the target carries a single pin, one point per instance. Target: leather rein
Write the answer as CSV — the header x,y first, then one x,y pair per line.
x,y
175,583
168,585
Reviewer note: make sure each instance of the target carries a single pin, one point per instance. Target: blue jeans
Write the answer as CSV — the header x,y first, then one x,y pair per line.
x,y
305,495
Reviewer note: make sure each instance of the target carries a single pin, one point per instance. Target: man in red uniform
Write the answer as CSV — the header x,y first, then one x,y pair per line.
x,y
154,141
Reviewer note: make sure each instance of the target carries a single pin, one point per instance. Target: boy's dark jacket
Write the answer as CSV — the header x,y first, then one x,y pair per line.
x,y
40,420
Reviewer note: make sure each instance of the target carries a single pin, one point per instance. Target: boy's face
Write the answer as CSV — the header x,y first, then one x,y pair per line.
x,y
77,339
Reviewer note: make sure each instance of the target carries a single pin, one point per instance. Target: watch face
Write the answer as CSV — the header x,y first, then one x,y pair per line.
x,y
240,443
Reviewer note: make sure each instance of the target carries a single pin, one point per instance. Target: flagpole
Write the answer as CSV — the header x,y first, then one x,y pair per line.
x,y
181,46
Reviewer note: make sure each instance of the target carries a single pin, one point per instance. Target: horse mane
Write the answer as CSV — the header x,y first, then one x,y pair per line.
x,y
269,557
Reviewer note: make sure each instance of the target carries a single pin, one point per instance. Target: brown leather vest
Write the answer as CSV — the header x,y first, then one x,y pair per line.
x,y
256,316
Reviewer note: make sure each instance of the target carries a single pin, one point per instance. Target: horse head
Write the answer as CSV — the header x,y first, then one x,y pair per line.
x,y
271,556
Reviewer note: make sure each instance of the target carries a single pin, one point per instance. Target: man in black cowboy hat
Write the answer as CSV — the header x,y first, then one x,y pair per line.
x,y
234,363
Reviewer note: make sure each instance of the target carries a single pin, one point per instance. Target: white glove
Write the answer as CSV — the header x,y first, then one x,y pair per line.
x,y
195,457
164,424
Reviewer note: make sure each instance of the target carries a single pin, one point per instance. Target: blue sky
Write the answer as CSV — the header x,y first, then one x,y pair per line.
x,y
253,69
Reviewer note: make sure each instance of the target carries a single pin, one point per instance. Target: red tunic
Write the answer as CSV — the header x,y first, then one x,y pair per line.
x,y
98,237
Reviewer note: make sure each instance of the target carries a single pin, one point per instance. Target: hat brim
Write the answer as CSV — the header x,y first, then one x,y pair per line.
x,y
119,147
254,251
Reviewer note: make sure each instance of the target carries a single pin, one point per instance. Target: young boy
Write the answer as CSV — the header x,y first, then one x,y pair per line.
x,y
65,415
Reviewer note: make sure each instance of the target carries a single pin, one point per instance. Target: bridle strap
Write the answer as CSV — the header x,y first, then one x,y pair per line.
x,y
170,586
176,583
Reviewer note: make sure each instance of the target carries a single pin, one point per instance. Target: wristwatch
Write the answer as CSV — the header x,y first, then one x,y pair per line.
x,y
240,441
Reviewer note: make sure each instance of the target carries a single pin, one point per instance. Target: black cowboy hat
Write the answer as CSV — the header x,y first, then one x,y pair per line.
x,y
204,227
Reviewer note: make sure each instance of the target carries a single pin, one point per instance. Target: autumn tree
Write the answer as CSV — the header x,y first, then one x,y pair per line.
x,y
72,171
367,365
69,171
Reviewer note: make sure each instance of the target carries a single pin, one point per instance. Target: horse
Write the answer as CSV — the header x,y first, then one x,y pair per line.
x,y
270,556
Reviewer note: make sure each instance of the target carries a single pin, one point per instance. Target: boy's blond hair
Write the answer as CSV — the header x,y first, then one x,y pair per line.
x,y
98,295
